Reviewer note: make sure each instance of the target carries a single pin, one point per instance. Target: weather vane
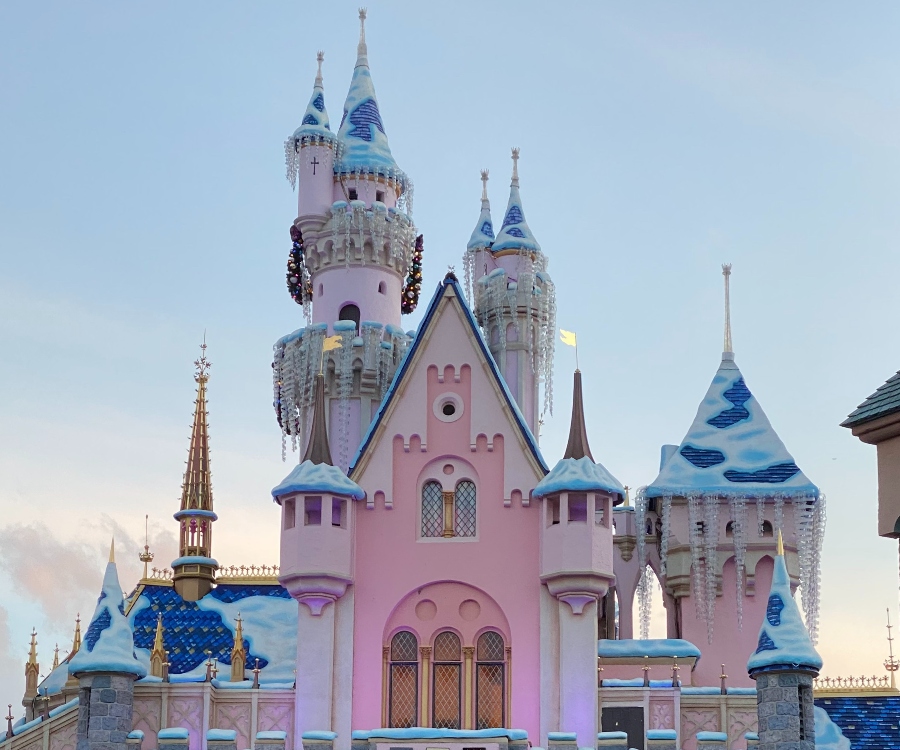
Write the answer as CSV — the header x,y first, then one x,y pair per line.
x,y
202,364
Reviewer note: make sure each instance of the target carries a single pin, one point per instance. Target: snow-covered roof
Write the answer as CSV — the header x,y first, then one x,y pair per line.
x,y
731,448
670,648
483,234
783,638
315,120
108,644
515,233
310,477
578,475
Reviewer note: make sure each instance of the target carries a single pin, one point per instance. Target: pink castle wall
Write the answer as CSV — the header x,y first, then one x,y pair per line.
x,y
395,569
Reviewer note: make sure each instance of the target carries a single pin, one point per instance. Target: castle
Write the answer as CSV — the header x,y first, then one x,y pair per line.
x,y
440,584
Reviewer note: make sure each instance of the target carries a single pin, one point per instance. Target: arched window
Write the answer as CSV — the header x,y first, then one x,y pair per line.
x,y
350,312
403,699
432,510
490,681
464,509
382,287
767,529
446,692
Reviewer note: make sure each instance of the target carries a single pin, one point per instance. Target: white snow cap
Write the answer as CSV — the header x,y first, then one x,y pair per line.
x,y
310,477
783,638
483,234
108,644
515,234
731,448
315,120
578,475
362,134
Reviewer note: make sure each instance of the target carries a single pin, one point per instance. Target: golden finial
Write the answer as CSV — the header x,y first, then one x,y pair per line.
x,y
779,545
55,656
202,364
484,181
146,556
891,664
76,640
158,639
627,497
32,653
320,56
112,550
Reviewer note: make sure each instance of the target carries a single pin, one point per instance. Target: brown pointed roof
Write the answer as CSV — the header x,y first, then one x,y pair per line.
x,y
196,491
578,441
318,450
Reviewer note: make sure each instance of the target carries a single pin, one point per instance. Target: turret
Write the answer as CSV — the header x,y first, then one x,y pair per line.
x,y
158,657
32,670
317,520
194,569
514,300
784,665
577,566
712,514
238,653
355,266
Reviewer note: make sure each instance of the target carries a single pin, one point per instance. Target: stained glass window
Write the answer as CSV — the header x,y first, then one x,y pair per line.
x,y
404,680
447,682
464,509
432,510
490,688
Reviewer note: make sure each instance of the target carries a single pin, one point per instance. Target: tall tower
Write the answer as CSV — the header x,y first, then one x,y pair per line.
x,y
712,514
514,300
194,570
356,265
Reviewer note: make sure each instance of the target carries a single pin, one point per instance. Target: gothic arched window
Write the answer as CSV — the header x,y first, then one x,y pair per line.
x,y
432,509
490,681
464,509
446,711
404,681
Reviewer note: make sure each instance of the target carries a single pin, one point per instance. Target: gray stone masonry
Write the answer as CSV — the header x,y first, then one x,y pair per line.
x,y
612,744
562,745
712,745
785,709
318,745
104,711
517,745
221,744
661,745
173,743
262,743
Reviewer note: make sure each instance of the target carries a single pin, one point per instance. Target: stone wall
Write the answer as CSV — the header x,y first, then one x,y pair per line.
x,y
104,711
785,705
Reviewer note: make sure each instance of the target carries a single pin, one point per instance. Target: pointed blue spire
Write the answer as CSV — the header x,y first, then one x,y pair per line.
x,y
108,644
483,235
362,136
515,234
315,120
783,638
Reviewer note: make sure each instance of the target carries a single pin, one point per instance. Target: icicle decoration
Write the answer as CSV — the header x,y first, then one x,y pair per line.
x,y
760,515
818,538
643,591
779,513
645,600
344,376
810,533
695,536
711,559
664,541
738,506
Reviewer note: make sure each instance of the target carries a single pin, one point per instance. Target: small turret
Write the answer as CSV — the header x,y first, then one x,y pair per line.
x,y
158,654
238,652
32,669
72,682
194,569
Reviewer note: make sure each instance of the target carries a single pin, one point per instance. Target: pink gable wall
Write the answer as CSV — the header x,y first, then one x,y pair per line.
x,y
395,569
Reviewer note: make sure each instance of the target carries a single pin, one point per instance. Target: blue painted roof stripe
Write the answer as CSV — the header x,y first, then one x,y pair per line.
x,y
404,366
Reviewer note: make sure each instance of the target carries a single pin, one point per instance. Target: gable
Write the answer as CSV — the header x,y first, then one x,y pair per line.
x,y
449,336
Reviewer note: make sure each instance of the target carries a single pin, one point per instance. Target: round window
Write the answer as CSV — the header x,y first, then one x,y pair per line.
x,y
448,407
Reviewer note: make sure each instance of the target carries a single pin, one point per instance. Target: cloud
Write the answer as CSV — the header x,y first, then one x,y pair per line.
x,y
11,675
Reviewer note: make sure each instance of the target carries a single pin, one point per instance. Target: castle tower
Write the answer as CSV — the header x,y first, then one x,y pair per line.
x,y
106,669
577,568
316,568
32,670
514,300
194,569
784,665
356,265
712,514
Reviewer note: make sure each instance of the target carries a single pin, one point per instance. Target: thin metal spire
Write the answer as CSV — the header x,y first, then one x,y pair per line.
x,y
726,272
484,195
196,491
320,56
515,172
362,51
578,441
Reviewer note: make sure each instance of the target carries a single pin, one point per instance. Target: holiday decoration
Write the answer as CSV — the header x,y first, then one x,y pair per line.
x,y
298,278
413,286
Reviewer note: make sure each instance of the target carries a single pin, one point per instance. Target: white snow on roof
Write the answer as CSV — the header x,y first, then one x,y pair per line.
x,y
310,477
578,475
515,234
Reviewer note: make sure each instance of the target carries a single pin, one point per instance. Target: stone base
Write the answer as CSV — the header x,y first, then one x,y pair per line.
x,y
562,741
173,738
318,740
784,704
104,711
273,740
612,741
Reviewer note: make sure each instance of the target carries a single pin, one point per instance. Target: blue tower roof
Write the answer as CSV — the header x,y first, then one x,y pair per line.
x,y
515,234
783,638
315,119
483,234
364,142
108,644
731,448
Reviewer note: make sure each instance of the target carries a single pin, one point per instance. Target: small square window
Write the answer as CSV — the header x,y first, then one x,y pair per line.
x,y
353,194
289,514
338,512
552,511
313,514
577,508
379,195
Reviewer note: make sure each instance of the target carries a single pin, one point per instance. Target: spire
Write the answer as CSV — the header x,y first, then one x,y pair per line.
x,y
112,550
317,450
726,272
32,668
158,653
483,234
146,556
315,120
76,639
55,656
238,653
362,51
515,234
578,441
32,652
196,490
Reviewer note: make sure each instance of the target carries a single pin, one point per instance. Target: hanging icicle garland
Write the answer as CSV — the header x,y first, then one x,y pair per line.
x,y
413,287
299,282
645,600
664,534
738,506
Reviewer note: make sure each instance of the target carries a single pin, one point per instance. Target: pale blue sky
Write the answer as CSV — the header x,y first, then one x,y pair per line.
x,y
143,200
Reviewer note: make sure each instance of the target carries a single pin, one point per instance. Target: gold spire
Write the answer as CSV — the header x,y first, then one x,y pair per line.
x,y
779,545
158,654
146,556
112,550
32,668
196,490
55,656
76,640
32,653
238,653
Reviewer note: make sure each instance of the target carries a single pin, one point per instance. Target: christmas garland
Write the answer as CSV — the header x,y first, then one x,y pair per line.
x,y
299,282
413,286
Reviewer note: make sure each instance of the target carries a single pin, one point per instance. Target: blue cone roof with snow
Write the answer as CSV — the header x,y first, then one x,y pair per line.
x,y
315,119
731,448
483,234
578,475
108,644
783,638
515,234
310,477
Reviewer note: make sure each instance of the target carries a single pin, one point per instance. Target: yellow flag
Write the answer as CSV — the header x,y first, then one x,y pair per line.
x,y
568,338
331,342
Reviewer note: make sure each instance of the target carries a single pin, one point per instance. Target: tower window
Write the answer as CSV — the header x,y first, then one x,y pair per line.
x,y
552,504
578,508
353,194
382,287
350,312
312,511
289,514
379,195
449,514
448,409
321,289
338,512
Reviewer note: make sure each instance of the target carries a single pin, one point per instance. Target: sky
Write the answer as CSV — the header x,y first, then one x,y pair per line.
x,y
143,202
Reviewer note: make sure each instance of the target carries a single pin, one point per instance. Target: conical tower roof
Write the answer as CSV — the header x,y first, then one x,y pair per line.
x,y
364,142
315,119
515,234
196,490
577,471
783,638
108,643
483,234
